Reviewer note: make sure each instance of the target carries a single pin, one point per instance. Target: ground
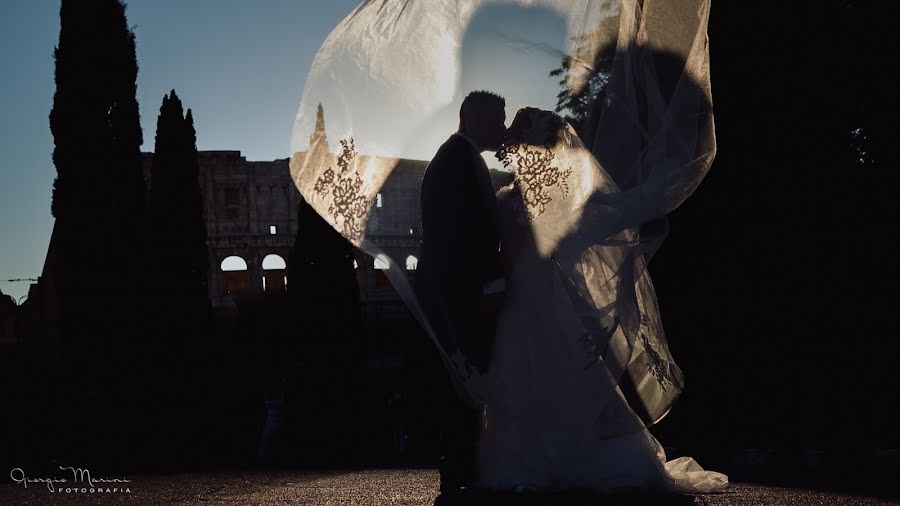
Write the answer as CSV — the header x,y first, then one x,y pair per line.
x,y
375,487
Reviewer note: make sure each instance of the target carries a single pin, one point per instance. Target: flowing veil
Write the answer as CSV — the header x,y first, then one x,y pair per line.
x,y
635,87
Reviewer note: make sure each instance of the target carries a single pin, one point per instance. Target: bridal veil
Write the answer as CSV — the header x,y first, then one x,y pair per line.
x,y
631,76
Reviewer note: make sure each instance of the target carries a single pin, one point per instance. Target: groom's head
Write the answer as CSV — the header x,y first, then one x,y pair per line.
x,y
482,118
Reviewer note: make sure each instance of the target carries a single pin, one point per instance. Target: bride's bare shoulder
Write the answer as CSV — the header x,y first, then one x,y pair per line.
x,y
504,191
507,195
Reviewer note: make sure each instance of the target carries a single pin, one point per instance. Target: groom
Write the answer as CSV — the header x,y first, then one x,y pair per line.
x,y
459,277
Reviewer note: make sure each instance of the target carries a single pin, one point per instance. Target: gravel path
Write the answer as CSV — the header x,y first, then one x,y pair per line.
x,y
373,487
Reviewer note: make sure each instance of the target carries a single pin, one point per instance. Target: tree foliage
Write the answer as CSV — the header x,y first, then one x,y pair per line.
x,y
180,257
98,193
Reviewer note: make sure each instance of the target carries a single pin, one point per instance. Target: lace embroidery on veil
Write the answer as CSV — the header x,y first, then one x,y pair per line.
x,y
535,174
344,189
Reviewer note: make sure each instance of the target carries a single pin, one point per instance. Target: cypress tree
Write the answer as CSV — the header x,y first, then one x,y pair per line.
x,y
180,260
98,198
179,303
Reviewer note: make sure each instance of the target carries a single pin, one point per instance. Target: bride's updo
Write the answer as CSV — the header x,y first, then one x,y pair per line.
x,y
536,127
532,127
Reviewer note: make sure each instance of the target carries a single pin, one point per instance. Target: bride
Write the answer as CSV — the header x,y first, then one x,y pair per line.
x,y
549,421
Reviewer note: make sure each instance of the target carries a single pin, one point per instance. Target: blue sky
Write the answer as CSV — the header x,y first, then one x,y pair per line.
x,y
239,65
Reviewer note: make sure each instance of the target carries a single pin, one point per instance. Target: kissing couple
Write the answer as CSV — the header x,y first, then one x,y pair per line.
x,y
494,284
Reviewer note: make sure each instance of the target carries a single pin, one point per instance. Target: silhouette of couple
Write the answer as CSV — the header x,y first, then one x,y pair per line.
x,y
496,292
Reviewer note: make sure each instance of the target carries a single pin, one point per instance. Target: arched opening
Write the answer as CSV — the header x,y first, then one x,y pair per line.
x,y
381,265
274,274
411,263
235,277
359,268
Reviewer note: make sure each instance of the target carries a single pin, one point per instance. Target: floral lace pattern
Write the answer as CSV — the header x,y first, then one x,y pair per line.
x,y
596,343
655,363
535,175
349,204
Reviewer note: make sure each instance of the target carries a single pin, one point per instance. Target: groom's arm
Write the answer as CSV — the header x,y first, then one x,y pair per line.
x,y
494,273
494,289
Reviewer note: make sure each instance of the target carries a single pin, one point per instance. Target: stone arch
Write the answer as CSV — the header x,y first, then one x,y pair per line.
x,y
381,264
235,276
274,277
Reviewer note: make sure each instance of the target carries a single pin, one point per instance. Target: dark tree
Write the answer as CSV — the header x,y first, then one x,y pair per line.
x,y
798,270
179,261
98,196
777,263
178,306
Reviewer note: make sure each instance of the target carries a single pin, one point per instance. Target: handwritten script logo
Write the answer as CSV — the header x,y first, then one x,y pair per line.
x,y
81,481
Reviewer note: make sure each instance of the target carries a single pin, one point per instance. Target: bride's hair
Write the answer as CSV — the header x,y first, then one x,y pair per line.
x,y
535,127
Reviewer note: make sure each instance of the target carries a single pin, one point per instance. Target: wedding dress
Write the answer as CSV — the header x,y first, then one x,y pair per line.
x,y
582,365
550,422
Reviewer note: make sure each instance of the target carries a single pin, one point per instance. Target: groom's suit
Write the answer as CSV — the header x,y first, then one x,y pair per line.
x,y
459,257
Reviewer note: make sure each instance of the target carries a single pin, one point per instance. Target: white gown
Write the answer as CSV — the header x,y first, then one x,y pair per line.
x,y
540,424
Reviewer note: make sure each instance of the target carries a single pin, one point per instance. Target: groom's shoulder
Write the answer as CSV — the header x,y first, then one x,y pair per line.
x,y
452,150
455,146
